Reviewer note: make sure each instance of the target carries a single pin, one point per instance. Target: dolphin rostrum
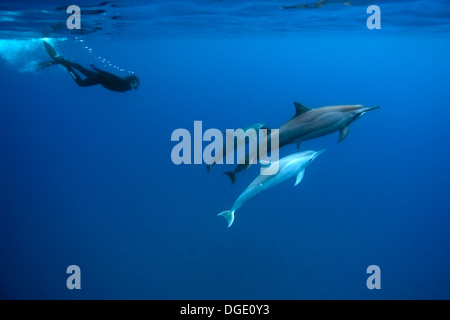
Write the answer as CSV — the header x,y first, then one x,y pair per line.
x,y
289,166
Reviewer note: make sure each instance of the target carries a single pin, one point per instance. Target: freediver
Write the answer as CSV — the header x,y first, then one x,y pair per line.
x,y
93,77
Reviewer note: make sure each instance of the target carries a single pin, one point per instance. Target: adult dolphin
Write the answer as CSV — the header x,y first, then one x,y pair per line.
x,y
310,123
288,167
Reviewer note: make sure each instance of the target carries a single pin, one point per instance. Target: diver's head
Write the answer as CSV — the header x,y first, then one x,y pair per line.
x,y
133,81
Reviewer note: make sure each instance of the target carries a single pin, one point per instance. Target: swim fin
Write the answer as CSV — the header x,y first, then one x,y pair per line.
x,y
42,65
50,50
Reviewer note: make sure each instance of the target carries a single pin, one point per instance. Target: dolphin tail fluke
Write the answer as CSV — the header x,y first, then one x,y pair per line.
x,y
229,216
232,176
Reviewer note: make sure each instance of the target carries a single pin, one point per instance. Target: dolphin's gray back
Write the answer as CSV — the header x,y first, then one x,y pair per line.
x,y
314,123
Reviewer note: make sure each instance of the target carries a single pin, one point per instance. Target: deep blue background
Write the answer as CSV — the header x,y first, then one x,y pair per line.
x,y
86,176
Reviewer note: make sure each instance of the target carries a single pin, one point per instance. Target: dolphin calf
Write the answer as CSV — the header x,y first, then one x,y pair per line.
x,y
239,137
313,123
289,166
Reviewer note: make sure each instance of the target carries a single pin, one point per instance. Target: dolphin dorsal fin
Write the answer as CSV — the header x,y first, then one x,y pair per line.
x,y
300,109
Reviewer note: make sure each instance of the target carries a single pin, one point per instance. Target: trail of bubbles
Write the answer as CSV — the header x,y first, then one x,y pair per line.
x,y
101,60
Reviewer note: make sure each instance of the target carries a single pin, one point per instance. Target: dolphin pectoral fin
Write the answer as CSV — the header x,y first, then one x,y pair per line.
x,y
299,177
344,133
229,216
300,109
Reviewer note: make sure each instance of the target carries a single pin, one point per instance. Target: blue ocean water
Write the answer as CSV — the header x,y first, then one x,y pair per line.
x,y
86,176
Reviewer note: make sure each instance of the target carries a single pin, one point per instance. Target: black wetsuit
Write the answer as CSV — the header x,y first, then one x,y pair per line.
x,y
96,76
92,77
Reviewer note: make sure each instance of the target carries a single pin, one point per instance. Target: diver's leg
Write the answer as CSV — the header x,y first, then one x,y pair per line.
x,y
86,72
89,81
